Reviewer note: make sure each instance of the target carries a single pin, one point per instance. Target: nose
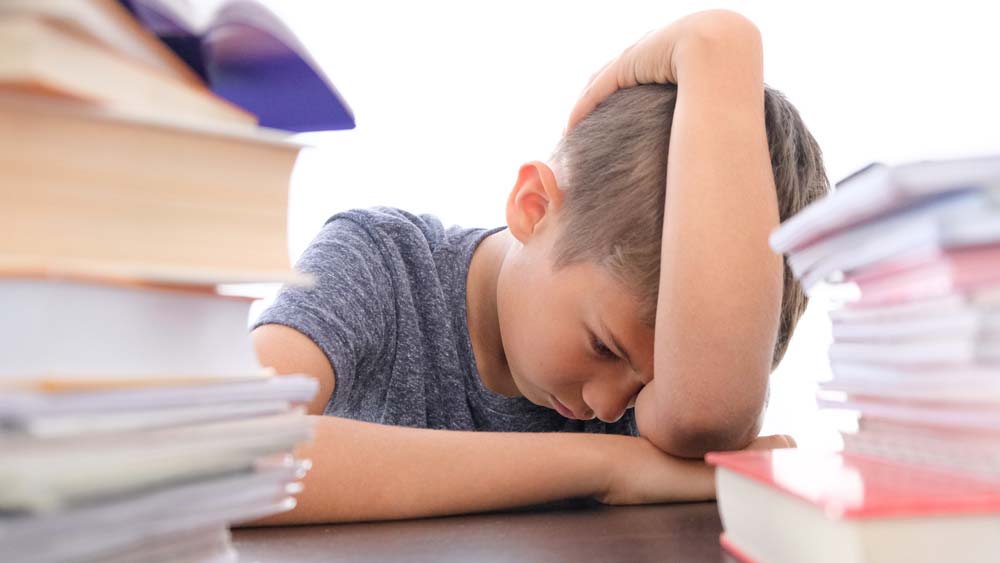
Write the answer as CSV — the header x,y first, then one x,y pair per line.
x,y
608,396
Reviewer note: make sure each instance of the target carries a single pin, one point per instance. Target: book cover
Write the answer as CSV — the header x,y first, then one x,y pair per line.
x,y
184,207
112,26
85,328
879,188
936,224
792,505
248,56
855,487
59,61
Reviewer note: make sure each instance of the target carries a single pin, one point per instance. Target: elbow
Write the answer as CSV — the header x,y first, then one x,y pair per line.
x,y
695,437
692,432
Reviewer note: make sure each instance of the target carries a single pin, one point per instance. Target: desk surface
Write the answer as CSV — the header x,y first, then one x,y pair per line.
x,y
683,533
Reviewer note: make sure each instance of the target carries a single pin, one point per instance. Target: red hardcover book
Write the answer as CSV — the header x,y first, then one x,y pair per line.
x,y
792,505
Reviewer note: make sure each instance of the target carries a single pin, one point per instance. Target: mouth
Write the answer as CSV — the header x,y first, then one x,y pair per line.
x,y
563,409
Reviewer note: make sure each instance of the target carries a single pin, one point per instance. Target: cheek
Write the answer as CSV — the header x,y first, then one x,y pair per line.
x,y
524,338
540,340
539,349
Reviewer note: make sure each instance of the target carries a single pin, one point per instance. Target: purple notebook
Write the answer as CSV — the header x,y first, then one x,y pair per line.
x,y
248,56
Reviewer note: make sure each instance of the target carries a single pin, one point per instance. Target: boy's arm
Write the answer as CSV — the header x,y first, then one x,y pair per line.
x,y
364,471
720,283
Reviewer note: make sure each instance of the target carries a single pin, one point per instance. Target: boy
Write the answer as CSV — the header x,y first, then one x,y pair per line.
x,y
547,332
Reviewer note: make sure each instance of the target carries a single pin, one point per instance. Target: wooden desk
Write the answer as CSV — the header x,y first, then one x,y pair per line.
x,y
682,533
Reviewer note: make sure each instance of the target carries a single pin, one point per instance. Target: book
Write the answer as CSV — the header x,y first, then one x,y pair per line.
x,y
879,188
956,348
93,531
915,355
111,464
55,60
107,22
69,327
210,544
827,507
135,421
18,405
962,383
248,56
967,323
974,452
953,220
152,459
915,310
184,207
952,414
61,425
932,275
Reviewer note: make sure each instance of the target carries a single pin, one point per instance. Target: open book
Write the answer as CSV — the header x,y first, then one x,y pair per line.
x,y
248,56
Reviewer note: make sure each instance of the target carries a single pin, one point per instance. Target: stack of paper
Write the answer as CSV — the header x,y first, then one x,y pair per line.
x,y
918,352
135,421
144,468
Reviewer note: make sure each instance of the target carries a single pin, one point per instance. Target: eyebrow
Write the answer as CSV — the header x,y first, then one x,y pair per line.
x,y
621,349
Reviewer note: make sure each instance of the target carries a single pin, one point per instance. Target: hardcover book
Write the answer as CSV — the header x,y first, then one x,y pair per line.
x,y
792,506
247,55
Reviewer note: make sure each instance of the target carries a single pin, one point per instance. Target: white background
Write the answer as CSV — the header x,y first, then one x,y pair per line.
x,y
450,98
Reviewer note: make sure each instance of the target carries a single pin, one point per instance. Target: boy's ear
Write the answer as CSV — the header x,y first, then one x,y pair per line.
x,y
535,196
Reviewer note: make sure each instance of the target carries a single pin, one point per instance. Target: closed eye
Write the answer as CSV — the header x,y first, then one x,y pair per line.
x,y
600,349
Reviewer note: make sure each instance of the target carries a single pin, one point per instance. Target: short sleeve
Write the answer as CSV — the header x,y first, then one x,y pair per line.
x,y
350,311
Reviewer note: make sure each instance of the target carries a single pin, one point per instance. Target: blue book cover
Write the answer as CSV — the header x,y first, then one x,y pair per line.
x,y
246,55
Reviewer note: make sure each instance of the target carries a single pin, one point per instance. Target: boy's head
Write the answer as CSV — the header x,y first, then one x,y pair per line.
x,y
595,213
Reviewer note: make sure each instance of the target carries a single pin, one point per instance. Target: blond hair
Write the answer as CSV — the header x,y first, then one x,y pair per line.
x,y
613,167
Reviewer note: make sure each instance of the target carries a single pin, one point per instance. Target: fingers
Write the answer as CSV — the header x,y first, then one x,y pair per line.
x,y
604,83
648,61
616,74
575,118
783,441
774,442
599,71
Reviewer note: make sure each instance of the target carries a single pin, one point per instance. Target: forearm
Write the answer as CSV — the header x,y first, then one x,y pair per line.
x,y
363,471
720,283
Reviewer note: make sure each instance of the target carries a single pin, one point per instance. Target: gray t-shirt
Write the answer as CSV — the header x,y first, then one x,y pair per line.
x,y
389,312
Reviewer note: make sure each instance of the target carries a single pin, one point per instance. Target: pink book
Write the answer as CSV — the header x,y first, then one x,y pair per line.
x,y
929,276
793,505
973,452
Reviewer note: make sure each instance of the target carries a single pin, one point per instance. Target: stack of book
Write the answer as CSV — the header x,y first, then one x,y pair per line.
x,y
135,421
916,353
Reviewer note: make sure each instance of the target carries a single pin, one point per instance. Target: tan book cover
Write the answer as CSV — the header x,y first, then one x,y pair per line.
x,y
106,22
98,193
58,60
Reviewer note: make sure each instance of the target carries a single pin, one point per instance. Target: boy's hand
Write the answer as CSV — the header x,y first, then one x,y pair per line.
x,y
642,474
653,59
